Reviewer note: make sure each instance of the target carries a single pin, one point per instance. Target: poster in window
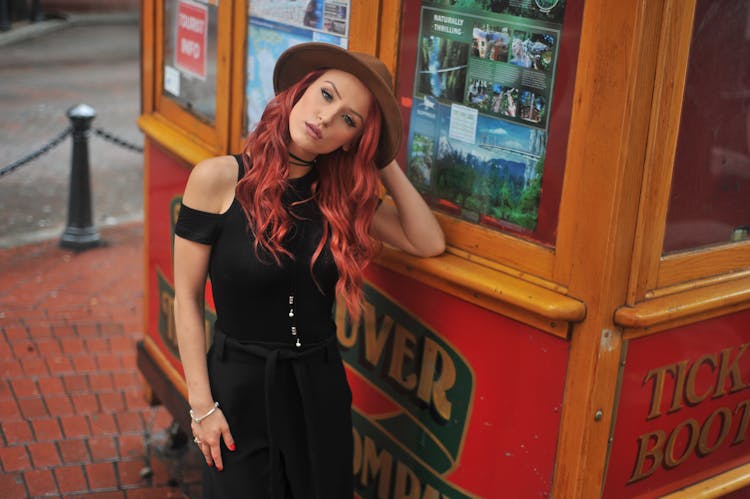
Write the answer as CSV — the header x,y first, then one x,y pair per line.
x,y
483,87
277,25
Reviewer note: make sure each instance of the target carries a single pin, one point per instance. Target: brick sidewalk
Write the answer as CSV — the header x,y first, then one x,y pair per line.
x,y
73,420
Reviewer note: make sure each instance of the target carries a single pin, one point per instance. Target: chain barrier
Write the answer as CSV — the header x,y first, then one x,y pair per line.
x,y
116,140
107,136
42,150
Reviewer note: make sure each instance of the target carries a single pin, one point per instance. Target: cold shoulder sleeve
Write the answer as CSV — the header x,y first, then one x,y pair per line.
x,y
198,226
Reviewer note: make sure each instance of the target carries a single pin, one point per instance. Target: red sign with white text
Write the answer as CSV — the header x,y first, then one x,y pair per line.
x,y
190,39
684,408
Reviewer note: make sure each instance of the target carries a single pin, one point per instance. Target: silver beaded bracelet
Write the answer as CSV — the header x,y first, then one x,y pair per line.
x,y
197,420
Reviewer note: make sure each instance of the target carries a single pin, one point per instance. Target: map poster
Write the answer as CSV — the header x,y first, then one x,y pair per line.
x,y
276,25
483,87
329,16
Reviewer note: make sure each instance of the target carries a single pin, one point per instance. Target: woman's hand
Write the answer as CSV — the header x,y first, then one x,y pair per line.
x,y
408,223
208,434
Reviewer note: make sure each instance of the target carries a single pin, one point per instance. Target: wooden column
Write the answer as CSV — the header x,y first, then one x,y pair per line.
x,y
604,168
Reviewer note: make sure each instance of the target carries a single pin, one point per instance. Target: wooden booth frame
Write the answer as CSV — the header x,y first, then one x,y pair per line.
x,y
605,280
173,127
674,289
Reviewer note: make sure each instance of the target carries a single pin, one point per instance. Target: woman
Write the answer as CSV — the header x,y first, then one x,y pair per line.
x,y
282,230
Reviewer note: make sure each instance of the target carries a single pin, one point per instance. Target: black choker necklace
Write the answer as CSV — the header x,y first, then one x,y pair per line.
x,y
301,162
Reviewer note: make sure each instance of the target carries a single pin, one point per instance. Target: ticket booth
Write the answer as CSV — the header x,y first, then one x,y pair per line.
x,y
586,332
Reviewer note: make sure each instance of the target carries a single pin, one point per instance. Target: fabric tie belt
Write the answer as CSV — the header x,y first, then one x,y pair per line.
x,y
227,348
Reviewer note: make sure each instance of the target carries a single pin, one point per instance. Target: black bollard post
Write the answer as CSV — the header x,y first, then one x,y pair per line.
x,y
35,14
80,232
4,15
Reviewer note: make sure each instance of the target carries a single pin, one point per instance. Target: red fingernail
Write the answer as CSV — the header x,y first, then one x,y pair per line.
x,y
231,447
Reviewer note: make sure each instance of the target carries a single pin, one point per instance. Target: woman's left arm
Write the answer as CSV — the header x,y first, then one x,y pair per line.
x,y
409,225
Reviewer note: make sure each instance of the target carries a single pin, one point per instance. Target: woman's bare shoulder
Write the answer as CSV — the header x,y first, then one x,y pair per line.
x,y
211,184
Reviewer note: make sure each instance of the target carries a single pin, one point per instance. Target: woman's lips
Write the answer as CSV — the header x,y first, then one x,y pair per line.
x,y
313,130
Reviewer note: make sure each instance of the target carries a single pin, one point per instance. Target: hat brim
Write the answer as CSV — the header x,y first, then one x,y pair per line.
x,y
299,60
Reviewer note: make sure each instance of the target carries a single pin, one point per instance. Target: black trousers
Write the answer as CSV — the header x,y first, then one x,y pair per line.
x,y
289,411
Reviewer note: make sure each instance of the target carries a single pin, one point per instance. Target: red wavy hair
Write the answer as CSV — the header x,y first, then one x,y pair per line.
x,y
346,191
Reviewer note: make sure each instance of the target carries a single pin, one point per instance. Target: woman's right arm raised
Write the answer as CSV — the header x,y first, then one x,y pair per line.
x,y
210,184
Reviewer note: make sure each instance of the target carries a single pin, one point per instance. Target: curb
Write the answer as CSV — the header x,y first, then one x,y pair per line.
x,y
40,236
28,31
25,31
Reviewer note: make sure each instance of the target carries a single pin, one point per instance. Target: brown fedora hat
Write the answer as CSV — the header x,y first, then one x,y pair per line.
x,y
299,60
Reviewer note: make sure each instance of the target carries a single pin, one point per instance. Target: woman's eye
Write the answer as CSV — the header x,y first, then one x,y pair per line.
x,y
326,94
350,121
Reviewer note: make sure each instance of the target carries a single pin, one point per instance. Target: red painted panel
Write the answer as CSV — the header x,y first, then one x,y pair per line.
x,y
684,408
516,381
166,181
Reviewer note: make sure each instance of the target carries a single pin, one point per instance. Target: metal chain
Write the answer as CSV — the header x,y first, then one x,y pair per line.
x,y
44,149
59,138
116,140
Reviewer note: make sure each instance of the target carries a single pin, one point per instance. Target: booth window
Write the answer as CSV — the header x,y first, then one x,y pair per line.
x,y
486,90
189,63
709,202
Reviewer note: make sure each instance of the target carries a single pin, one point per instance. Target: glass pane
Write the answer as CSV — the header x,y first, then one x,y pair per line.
x,y
710,198
486,90
190,55
274,26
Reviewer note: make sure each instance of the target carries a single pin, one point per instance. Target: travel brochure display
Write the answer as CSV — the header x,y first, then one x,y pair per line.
x,y
483,86
274,26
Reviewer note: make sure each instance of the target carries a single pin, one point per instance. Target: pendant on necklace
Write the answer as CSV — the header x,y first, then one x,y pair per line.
x,y
293,328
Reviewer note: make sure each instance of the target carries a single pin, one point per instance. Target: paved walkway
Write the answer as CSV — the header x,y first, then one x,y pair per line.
x,y
95,62
73,420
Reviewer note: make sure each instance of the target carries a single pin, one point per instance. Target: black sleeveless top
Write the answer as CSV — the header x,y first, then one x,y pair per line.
x,y
252,295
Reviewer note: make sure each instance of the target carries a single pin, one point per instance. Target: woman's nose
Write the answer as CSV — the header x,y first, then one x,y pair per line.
x,y
324,117
327,114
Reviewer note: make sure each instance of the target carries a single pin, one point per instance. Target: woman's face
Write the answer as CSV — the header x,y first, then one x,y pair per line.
x,y
330,114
